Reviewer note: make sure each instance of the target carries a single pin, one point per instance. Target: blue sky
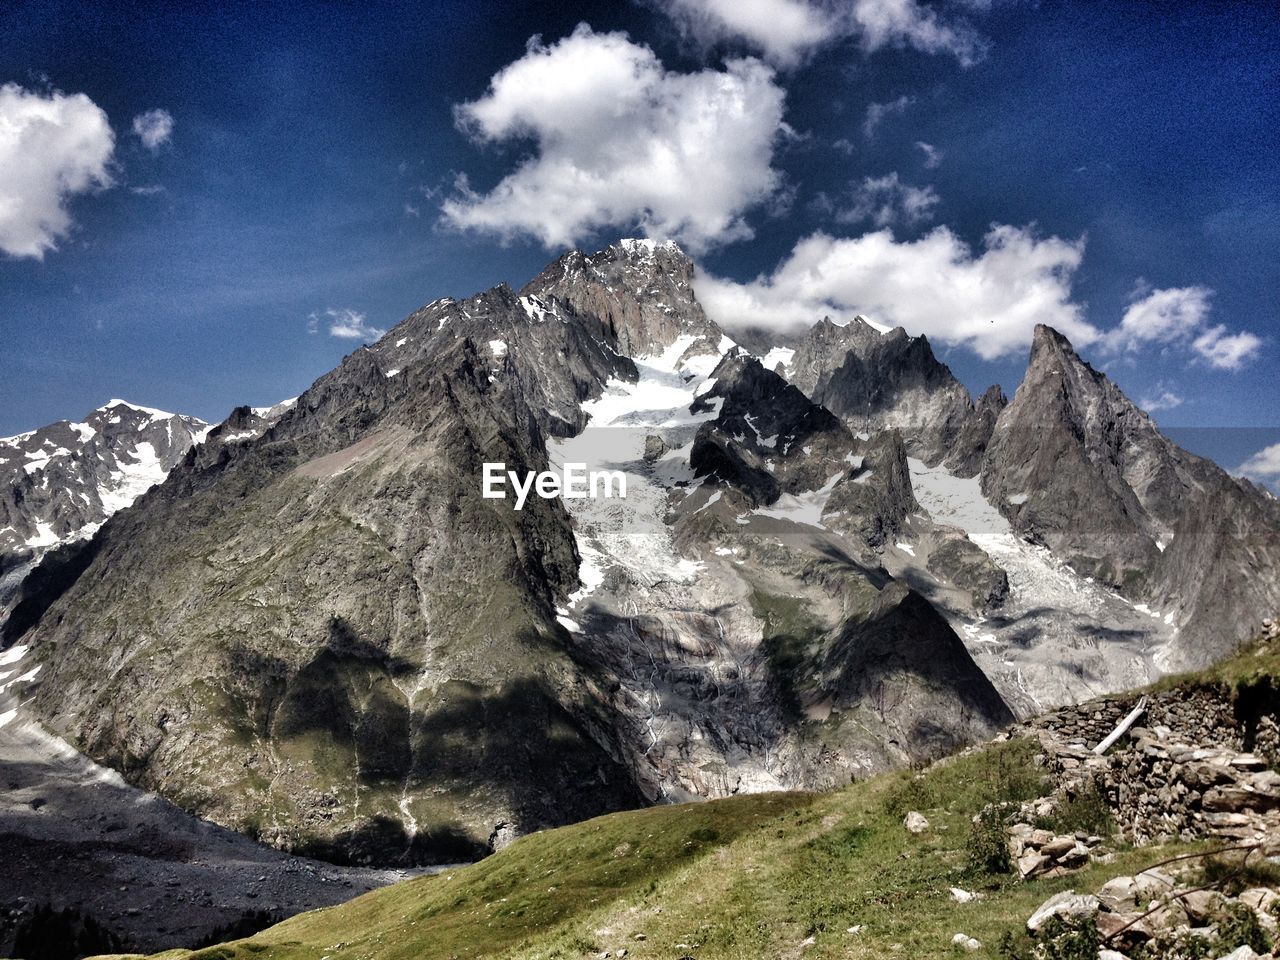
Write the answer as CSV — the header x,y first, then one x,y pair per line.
x,y
304,175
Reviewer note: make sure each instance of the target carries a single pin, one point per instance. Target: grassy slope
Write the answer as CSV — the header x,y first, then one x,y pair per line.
x,y
742,878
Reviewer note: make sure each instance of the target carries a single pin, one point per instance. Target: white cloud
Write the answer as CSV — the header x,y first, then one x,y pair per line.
x,y
988,301
1163,397
1178,316
907,23
1263,465
1161,316
876,112
154,128
1226,351
345,324
932,155
622,141
53,146
886,201
787,31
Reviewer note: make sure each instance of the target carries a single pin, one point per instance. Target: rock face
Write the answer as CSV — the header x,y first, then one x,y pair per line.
x,y
328,639
59,483
876,381
1074,464
639,291
768,438
970,446
874,501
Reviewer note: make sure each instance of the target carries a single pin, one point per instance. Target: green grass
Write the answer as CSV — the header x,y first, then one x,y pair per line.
x,y
1255,663
742,879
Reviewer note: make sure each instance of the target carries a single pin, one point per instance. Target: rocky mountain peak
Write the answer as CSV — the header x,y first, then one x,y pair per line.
x,y
62,481
641,291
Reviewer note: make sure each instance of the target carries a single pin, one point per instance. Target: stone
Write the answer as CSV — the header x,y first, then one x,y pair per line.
x,y
1134,928
1031,863
915,822
1260,899
1119,894
964,896
1202,905
1240,953
1068,903
1058,847
966,942
1153,883
1248,762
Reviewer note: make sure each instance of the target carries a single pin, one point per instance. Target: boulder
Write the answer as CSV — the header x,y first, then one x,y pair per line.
x,y
1119,894
1202,905
915,822
1032,863
1067,904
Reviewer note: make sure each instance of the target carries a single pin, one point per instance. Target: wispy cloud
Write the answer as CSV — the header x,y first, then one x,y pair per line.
x,y
344,323
154,128
1162,397
786,32
886,201
876,113
932,155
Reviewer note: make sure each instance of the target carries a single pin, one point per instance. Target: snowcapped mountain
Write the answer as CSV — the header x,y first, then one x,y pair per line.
x,y
830,560
60,482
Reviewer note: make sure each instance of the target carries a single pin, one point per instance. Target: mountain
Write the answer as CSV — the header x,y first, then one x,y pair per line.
x,y
1074,464
319,632
878,380
60,482
829,561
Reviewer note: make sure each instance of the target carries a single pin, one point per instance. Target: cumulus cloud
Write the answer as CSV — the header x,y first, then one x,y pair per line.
x,y
876,112
621,141
988,301
1178,316
345,324
1263,465
932,155
154,128
887,200
787,31
53,146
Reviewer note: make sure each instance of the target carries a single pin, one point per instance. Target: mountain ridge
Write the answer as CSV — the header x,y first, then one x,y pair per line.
x,y
319,633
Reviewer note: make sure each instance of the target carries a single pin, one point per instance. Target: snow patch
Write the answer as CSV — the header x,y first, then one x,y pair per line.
x,y
778,355
806,508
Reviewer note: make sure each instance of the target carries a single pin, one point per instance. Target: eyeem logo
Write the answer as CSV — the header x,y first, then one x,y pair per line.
x,y
575,482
